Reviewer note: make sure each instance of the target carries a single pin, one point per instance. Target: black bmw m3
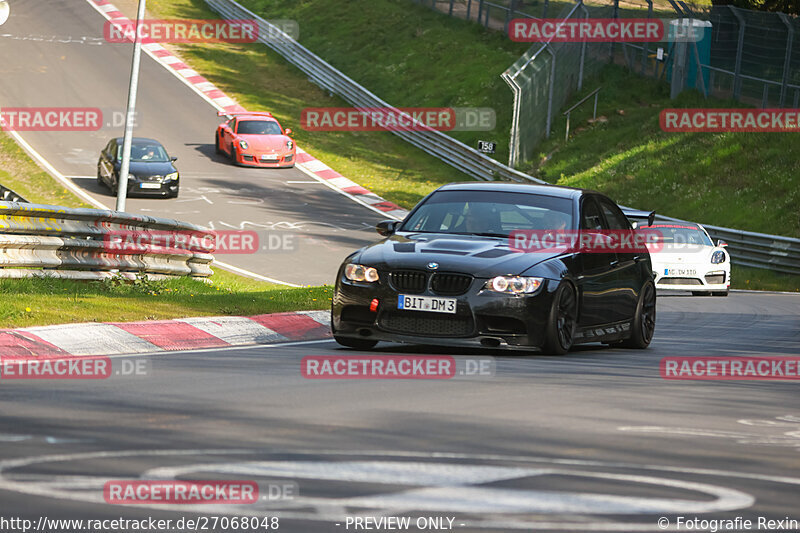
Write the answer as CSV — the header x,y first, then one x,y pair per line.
x,y
451,274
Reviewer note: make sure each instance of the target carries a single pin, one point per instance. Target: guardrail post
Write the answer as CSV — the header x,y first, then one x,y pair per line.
x,y
488,11
509,13
765,97
737,71
480,10
546,5
450,11
787,57
469,8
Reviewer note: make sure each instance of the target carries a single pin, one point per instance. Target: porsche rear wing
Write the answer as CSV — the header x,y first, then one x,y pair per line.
x,y
635,215
253,113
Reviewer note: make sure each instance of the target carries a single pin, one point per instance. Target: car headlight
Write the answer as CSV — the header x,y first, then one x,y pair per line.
x,y
172,176
360,273
718,257
289,144
514,284
243,145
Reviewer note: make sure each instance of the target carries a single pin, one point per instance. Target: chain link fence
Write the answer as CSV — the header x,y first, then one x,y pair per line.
x,y
749,56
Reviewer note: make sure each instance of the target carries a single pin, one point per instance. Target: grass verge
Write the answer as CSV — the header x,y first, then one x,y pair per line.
x,y
35,302
20,174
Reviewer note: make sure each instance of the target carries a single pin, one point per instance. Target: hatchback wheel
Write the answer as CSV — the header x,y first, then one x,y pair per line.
x,y
644,323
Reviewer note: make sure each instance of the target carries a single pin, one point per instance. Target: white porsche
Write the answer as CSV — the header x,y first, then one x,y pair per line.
x,y
686,259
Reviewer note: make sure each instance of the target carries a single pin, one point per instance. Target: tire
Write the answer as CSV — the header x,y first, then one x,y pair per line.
x,y
100,179
719,293
232,155
561,324
356,344
217,147
644,322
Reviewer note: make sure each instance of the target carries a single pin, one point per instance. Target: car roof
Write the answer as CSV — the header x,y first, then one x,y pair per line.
x,y
139,139
524,188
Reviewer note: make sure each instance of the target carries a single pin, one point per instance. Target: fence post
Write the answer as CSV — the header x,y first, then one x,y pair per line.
x,y
546,4
480,10
615,16
469,8
583,49
737,71
510,12
645,45
787,58
550,90
450,11
488,11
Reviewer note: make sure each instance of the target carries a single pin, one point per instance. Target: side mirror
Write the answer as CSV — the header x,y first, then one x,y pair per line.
x,y
173,159
386,227
721,243
651,218
287,131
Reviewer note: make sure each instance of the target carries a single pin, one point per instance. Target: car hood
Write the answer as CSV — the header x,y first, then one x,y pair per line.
x,y
266,143
483,257
148,168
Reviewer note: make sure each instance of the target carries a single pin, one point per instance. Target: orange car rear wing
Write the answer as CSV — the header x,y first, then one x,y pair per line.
x,y
252,113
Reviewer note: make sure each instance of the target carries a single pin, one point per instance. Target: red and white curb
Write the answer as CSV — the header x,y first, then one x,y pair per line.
x,y
164,335
222,102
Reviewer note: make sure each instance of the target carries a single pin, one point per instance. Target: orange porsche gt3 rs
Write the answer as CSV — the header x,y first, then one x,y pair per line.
x,y
255,140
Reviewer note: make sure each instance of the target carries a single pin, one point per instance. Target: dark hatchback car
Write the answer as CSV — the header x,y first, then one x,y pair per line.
x,y
152,171
450,275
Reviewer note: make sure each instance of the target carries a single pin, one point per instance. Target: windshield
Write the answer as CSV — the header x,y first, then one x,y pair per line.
x,y
491,213
258,127
140,151
676,235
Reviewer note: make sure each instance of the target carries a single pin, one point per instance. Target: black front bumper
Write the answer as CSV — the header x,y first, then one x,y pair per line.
x,y
166,188
483,318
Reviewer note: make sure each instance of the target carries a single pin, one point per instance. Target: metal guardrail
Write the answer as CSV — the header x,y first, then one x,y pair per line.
x,y
51,241
438,144
747,248
7,195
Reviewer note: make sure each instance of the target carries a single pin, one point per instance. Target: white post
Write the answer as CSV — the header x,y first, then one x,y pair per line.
x,y
122,183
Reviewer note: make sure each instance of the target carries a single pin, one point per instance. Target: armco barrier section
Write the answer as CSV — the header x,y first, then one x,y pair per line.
x,y
749,249
436,143
51,241
7,195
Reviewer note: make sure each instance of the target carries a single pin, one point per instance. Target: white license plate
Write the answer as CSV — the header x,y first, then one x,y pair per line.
x,y
426,303
269,157
149,185
680,272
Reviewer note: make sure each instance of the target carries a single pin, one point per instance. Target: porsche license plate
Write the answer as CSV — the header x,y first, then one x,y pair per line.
x,y
680,272
149,185
426,303
271,158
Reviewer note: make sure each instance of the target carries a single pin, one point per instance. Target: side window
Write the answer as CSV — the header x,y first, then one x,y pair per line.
x,y
590,215
233,125
614,216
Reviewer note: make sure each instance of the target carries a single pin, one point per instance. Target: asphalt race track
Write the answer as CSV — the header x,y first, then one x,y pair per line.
x,y
593,441
54,55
